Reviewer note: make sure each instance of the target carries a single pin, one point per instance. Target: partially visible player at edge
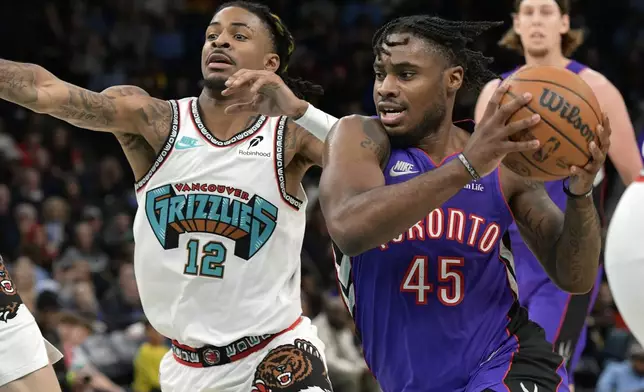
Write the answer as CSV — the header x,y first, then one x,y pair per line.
x,y
26,357
221,213
436,307
541,33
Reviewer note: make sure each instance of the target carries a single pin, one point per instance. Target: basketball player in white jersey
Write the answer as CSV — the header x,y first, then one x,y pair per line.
x,y
221,220
25,356
624,257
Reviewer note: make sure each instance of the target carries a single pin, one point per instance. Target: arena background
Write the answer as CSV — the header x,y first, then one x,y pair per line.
x,y
66,194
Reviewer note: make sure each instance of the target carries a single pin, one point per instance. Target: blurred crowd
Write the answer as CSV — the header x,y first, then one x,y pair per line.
x,y
67,200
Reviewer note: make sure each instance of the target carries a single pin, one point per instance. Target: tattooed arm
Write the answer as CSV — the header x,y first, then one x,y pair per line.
x,y
138,151
567,245
362,212
302,145
35,88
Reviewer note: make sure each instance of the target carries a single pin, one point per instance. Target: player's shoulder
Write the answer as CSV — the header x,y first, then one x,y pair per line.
x,y
490,86
595,79
365,131
359,124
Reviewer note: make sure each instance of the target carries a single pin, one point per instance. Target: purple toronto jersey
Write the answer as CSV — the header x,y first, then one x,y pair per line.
x,y
435,303
530,273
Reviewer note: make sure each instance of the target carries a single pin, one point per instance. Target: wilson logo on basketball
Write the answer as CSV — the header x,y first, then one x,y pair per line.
x,y
570,113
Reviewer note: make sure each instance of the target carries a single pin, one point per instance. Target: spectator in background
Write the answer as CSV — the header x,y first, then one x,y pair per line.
x,y
148,360
122,304
64,157
85,248
55,219
10,235
47,315
626,376
8,147
347,367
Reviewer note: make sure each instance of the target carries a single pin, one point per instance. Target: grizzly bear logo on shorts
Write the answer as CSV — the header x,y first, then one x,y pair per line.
x,y
291,368
9,298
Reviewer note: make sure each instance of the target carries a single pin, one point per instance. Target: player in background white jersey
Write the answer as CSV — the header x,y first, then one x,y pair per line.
x,y
221,215
25,356
624,257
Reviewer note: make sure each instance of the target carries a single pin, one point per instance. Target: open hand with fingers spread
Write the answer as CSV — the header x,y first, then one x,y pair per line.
x,y
490,142
267,92
582,178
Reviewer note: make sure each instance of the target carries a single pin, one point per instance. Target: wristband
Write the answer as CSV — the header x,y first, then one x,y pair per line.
x,y
317,122
571,195
469,167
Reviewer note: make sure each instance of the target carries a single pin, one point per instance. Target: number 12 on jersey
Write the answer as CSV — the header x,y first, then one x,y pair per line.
x,y
210,265
451,286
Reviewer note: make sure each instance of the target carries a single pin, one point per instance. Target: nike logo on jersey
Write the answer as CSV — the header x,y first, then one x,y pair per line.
x,y
187,142
524,389
249,224
402,168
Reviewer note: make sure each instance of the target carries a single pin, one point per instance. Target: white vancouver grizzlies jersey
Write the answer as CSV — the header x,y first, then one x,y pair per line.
x,y
218,239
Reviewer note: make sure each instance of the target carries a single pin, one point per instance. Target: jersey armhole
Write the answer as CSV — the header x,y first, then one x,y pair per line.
x,y
280,167
163,154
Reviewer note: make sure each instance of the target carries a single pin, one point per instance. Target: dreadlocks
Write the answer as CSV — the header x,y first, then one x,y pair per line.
x,y
450,38
284,45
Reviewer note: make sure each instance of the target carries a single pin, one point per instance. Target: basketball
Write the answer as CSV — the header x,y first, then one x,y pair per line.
x,y
569,114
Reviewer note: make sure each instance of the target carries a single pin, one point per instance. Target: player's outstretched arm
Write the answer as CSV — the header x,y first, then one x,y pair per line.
x,y
360,211
35,88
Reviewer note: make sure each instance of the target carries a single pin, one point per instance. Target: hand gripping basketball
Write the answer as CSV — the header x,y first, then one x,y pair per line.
x,y
582,178
490,141
267,94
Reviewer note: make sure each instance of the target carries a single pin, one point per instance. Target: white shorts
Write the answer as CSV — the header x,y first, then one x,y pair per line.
x,y
23,350
293,361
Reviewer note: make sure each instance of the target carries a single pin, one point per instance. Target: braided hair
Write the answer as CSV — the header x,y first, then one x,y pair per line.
x,y
450,38
284,45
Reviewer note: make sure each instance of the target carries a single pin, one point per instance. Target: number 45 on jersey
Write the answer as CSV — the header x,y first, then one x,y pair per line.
x,y
450,288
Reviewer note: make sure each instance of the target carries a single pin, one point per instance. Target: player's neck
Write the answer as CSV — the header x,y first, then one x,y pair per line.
x,y
553,58
212,112
444,142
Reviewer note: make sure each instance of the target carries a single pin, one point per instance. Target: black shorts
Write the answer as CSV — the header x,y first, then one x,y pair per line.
x,y
526,362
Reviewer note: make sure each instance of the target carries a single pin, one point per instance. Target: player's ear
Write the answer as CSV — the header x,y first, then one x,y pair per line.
x,y
271,62
516,25
454,78
565,24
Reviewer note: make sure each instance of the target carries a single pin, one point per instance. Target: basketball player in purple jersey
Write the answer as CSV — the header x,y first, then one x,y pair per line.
x,y
436,306
542,34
